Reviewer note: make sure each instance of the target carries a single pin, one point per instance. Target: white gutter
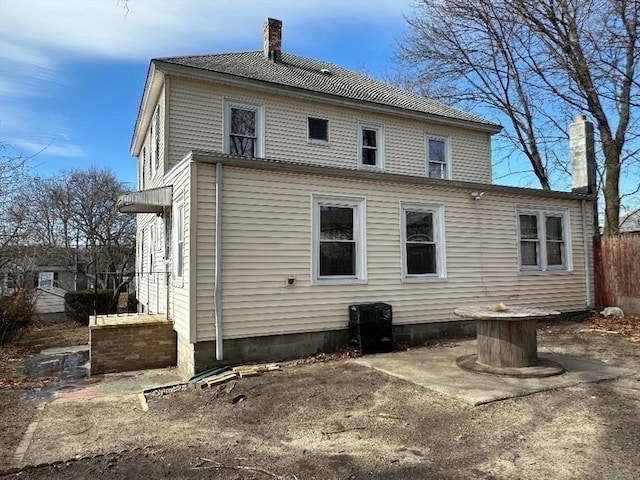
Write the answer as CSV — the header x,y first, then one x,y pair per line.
x,y
218,268
585,241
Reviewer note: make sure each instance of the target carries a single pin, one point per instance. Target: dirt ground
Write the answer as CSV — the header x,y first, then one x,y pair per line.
x,y
341,420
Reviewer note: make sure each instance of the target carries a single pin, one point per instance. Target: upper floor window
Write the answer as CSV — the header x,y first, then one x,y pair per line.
x,y
338,239
438,157
543,240
318,130
371,146
155,141
244,129
143,167
422,234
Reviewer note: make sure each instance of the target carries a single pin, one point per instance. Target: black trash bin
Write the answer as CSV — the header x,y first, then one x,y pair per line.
x,y
370,327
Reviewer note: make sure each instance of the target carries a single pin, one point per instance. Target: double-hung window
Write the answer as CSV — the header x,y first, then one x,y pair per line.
x,y
371,146
155,141
178,218
423,249
338,231
543,240
244,129
438,157
152,249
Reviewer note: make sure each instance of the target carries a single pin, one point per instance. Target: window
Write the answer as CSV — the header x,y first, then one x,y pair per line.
x,y
338,230
543,240
152,248
370,146
143,167
244,129
155,141
179,236
318,130
48,279
423,249
141,258
438,164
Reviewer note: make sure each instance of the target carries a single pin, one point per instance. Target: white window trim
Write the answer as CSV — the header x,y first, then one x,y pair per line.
x,y
260,131
437,210
541,213
379,128
447,154
317,141
179,204
151,253
359,205
155,141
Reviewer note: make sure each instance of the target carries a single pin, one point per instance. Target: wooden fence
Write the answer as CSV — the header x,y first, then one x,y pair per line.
x,y
617,272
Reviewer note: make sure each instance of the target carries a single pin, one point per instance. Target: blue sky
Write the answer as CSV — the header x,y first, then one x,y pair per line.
x,y
72,72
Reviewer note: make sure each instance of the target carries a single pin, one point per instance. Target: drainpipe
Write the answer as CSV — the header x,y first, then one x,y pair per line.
x,y
218,269
585,242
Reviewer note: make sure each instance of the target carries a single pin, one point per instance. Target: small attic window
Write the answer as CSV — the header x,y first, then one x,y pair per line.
x,y
318,130
325,71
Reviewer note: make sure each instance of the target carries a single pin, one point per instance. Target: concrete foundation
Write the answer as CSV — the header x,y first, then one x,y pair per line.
x,y
195,358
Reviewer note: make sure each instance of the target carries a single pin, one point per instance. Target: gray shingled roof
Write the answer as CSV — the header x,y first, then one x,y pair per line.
x,y
306,73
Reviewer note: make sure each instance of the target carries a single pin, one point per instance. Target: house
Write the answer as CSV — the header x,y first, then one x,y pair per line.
x,y
275,191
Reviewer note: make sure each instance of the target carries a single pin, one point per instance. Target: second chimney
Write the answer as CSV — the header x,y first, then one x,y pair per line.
x,y
583,161
272,38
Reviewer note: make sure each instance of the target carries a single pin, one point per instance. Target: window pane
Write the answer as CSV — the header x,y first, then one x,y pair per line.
x,y
318,129
243,122
436,151
555,253
529,227
421,259
529,253
435,170
419,226
336,223
337,258
368,156
243,146
369,138
554,228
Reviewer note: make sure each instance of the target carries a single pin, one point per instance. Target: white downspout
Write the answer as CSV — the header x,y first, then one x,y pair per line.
x,y
585,242
218,268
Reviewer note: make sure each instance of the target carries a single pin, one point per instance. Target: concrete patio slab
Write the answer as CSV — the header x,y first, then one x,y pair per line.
x,y
435,368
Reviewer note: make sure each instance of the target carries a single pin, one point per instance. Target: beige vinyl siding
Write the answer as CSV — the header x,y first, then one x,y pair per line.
x,y
196,110
267,237
179,291
150,287
205,253
152,181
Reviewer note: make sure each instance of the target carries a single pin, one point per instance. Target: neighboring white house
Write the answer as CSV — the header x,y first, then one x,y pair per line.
x,y
277,190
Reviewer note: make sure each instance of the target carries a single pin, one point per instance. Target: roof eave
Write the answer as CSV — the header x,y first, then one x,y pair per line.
x,y
152,86
234,80
205,156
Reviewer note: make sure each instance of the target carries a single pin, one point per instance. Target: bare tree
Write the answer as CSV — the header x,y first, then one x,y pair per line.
x,y
72,217
534,61
12,216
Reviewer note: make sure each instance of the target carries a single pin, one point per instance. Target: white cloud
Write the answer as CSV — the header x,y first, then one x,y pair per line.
x,y
40,38
51,149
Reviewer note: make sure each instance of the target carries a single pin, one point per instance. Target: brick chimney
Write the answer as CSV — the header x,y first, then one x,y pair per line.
x,y
272,39
583,159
